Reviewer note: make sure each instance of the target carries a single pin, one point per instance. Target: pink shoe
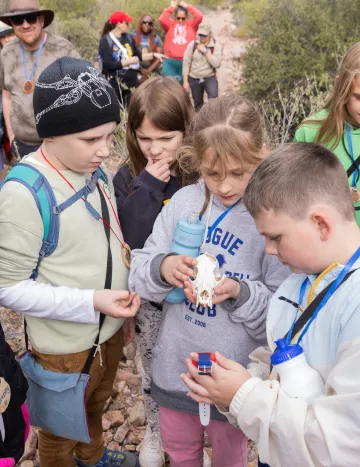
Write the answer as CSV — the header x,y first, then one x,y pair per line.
x,y
8,462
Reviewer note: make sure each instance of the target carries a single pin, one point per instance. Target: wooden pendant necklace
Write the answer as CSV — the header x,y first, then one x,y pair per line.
x,y
28,86
125,249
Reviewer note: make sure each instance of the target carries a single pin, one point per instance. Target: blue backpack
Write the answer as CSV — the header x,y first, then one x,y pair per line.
x,y
48,208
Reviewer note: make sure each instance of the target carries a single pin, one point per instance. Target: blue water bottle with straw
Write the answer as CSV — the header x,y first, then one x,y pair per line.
x,y
188,238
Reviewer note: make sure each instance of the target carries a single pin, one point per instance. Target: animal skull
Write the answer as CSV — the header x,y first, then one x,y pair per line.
x,y
206,277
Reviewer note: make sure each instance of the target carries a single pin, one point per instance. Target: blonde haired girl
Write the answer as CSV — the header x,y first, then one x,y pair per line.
x,y
337,125
224,147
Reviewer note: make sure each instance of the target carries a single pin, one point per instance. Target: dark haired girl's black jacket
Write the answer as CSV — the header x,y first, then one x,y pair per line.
x,y
139,201
13,419
111,61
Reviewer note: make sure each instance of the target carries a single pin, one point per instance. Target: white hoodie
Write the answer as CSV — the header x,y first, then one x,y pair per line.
x,y
325,431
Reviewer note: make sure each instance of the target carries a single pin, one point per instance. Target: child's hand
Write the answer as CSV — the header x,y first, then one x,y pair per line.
x,y
116,303
219,388
160,169
183,4
176,269
173,3
228,289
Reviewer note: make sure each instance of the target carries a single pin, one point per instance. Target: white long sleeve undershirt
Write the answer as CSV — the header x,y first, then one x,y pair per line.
x,y
46,301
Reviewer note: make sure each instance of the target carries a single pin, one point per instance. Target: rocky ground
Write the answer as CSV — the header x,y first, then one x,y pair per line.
x,y
124,415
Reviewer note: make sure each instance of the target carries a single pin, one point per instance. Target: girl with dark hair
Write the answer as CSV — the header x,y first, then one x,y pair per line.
x,y
119,57
179,33
149,45
159,117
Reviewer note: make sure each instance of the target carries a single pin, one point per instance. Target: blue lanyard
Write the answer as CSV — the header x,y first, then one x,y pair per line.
x,y
327,297
220,218
35,61
356,171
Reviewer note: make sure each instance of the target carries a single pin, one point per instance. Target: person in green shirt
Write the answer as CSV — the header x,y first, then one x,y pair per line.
x,y
337,125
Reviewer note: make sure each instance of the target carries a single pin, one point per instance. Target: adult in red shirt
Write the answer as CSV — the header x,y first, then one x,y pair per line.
x,y
180,31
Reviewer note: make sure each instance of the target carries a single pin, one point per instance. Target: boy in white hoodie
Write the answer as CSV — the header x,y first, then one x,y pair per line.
x,y
300,200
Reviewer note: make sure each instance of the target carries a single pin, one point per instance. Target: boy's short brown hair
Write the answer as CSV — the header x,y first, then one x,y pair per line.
x,y
296,175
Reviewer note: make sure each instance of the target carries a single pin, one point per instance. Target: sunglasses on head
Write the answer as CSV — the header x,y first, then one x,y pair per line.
x,y
180,18
30,18
150,23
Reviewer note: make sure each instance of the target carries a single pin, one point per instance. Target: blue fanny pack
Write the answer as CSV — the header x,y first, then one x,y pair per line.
x,y
56,401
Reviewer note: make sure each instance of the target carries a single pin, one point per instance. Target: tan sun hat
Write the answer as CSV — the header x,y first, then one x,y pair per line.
x,y
23,7
204,29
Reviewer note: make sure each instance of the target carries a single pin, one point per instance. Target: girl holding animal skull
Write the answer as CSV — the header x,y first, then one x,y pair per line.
x,y
224,147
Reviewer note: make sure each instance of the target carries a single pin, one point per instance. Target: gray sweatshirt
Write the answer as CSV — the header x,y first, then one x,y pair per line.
x,y
235,327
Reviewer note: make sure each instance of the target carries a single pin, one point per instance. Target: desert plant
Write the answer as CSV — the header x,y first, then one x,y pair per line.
x,y
297,38
285,111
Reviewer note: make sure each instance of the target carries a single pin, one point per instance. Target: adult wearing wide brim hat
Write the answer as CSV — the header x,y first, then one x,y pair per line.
x,y
21,62
24,7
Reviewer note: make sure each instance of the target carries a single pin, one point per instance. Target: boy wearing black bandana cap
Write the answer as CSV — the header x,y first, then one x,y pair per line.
x,y
76,113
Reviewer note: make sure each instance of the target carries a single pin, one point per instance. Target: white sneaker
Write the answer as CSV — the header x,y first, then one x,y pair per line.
x,y
206,460
151,450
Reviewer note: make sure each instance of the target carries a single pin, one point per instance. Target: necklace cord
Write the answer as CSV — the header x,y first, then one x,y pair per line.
x,y
101,188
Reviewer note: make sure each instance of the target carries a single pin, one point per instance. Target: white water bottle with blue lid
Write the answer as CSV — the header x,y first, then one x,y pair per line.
x,y
187,240
297,377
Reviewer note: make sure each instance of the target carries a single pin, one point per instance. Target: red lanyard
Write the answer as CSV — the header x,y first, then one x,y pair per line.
x,y
106,195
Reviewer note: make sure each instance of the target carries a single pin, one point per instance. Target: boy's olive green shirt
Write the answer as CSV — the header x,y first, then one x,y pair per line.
x,y
79,260
308,133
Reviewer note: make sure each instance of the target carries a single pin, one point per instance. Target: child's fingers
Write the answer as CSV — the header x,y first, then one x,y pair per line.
x,y
161,167
222,289
190,295
185,270
163,162
194,386
220,298
177,282
180,276
165,176
189,260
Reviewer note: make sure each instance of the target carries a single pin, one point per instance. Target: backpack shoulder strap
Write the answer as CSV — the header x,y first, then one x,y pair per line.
x,y
45,201
192,54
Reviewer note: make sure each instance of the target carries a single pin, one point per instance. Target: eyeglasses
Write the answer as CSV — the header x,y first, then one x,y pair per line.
x,y
30,18
181,18
150,23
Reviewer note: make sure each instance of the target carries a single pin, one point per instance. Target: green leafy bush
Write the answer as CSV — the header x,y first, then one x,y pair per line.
x,y
296,39
84,37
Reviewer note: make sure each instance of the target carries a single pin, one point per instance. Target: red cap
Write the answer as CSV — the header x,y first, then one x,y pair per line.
x,y
119,16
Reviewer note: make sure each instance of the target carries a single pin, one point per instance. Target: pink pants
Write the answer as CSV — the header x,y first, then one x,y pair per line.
x,y
183,436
